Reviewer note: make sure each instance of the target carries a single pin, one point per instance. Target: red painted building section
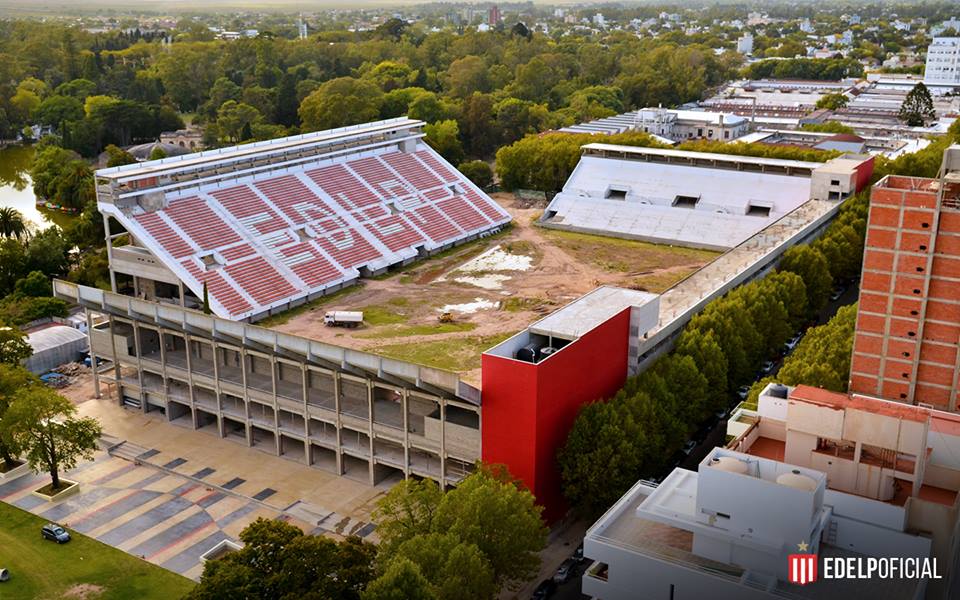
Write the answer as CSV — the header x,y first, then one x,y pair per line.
x,y
528,409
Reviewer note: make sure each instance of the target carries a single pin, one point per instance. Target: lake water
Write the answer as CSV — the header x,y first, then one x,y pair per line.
x,y
16,189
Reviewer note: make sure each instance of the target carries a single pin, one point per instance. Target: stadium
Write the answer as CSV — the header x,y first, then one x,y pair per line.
x,y
484,332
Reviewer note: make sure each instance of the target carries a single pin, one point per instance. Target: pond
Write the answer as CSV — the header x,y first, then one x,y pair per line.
x,y
16,189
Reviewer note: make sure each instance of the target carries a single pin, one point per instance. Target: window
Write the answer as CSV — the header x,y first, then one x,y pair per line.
x,y
726,135
758,211
686,201
616,193
834,182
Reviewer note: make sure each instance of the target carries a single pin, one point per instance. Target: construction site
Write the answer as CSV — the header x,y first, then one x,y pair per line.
x,y
348,300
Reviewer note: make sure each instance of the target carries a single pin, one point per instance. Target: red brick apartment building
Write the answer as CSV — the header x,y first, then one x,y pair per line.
x,y
908,326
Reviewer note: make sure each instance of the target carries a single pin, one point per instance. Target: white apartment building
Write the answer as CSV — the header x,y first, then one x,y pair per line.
x,y
681,125
745,44
943,62
808,472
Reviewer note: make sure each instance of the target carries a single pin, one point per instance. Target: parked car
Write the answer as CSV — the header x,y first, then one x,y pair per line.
x,y
578,553
767,367
55,533
565,571
689,447
792,343
743,391
836,293
543,591
721,414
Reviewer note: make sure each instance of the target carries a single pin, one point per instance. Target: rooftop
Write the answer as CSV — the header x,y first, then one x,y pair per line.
x,y
589,311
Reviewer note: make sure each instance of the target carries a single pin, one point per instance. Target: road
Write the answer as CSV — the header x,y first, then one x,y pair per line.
x,y
717,435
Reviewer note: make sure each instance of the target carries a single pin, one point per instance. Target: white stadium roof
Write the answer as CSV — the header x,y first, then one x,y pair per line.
x,y
677,203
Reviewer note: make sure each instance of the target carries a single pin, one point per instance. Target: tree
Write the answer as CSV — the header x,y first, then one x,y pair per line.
x,y
157,153
117,156
43,423
74,184
401,581
833,101
339,102
12,224
487,509
279,561
444,137
478,172
466,76
426,107
12,379
456,570
233,117
813,269
34,285
917,107
14,348
55,110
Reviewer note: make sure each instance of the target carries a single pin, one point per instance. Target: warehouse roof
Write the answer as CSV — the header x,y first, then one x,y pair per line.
x,y
53,337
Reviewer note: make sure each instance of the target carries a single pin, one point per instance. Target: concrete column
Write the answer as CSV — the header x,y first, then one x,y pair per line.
x,y
93,356
443,443
339,421
139,350
109,239
216,386
246,395
404,404
116,361
276,404
373,480
307,448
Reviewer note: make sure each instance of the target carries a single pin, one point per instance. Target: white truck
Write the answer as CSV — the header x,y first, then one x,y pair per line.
x,y
343,318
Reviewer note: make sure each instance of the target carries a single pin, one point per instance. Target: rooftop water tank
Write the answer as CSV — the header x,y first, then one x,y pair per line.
x,y
796,479
729,464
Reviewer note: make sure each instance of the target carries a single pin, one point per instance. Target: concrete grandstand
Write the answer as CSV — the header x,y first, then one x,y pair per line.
x,y
697,199
261,226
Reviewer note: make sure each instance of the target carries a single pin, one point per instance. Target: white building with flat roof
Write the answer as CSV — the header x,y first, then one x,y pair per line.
x,y
843,478
943,62
670,125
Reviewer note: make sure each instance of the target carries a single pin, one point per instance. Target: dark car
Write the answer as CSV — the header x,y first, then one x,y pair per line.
x,y
565,571
546,589
53,532
578,553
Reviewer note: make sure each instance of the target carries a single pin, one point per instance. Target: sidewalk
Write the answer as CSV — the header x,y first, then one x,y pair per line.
x,y
276,482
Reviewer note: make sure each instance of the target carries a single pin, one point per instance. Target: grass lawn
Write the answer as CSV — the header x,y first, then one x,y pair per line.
x,y
626,256
43,570
454,354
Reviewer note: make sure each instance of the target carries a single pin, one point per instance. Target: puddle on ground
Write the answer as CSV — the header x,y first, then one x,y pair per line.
x,y
468,307
486,271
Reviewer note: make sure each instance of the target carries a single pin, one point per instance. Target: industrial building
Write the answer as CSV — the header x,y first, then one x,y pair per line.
x,y
889,146
809,472
907,344
714,201
669,125
252,230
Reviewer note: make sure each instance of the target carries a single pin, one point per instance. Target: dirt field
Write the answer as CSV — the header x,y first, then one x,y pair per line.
x,y
492,288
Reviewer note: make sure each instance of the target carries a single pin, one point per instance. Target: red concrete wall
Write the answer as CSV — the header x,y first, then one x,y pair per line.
x,y
864,173
528,410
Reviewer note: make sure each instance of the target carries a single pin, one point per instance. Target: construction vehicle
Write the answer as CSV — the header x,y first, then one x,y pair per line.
x,y
343,318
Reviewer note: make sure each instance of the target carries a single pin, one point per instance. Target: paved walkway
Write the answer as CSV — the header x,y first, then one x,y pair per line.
x,y
164,518
169,494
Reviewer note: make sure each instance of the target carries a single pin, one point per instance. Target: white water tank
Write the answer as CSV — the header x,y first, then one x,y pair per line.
x,y
798,480
729,464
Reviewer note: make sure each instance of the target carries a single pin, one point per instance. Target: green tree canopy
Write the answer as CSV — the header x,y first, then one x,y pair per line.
x,y
339,102
45,426
917,107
